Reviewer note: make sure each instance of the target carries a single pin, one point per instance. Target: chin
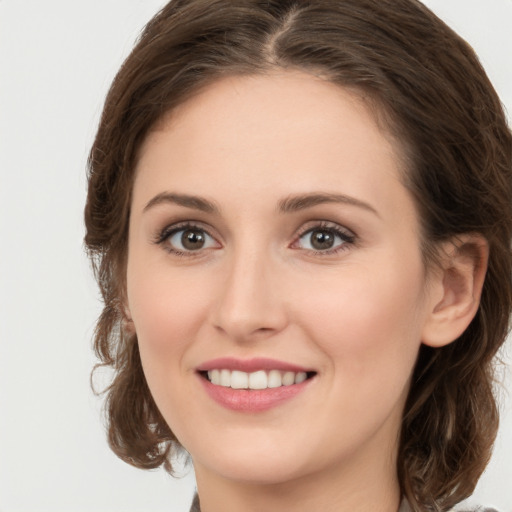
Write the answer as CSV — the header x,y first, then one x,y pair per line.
x,y
257,470
260,463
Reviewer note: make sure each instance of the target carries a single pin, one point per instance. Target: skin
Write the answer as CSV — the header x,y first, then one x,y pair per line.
x,y
257,288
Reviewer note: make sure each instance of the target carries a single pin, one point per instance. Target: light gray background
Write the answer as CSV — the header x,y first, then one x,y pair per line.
x,y
57,58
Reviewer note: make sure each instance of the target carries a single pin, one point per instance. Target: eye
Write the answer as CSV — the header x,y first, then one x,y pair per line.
x,y
187,239
325,239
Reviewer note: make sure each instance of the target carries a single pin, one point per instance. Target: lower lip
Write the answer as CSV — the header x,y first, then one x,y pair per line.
x,y
257,400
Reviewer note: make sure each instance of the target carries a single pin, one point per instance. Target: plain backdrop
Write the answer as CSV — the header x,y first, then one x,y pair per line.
x,y
57,58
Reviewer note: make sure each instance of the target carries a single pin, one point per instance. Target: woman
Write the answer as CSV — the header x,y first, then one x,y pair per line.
x,y
300,219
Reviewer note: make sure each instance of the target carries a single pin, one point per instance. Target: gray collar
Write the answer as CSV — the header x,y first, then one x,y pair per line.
x,y
404,507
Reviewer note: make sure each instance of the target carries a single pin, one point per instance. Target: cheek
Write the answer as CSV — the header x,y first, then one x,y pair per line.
x,y
167,316
167,312
367,322
368,327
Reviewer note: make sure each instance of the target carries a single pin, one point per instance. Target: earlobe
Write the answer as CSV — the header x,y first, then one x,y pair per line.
x,y
127,322
457,288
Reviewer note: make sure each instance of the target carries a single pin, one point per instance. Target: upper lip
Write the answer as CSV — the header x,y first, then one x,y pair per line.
x,y
250,365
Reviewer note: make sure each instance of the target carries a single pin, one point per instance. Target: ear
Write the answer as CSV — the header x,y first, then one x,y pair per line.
x,y
127,324
455,289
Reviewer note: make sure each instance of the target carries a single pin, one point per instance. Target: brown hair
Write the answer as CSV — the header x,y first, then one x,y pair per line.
x,y
441,106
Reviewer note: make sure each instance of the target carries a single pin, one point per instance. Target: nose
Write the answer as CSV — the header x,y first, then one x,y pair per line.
x,y
250,302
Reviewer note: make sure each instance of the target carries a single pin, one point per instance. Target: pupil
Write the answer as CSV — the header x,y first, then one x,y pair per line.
x,y
192,240
322,240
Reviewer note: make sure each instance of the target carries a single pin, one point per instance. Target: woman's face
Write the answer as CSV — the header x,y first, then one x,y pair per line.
x,y
271,240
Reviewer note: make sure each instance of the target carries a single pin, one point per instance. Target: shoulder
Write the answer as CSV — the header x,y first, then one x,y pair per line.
x,y
404,507
477,509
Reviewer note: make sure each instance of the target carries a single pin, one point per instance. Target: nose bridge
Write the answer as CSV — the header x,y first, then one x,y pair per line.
x,y
248,302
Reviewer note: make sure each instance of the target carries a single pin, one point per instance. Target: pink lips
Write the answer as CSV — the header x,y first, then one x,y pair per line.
x,y
244,400
250,365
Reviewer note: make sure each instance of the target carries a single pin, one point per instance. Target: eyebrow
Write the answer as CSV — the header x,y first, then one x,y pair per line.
x,y
303,201
188,201
288,205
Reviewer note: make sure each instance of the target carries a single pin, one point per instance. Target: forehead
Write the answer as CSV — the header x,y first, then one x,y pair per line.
x,y
276,134
294,97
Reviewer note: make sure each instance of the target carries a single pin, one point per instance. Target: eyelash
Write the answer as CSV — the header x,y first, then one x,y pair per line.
x,y
348,238
164,235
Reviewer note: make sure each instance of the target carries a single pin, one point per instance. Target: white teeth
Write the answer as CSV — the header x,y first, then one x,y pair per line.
x,y
214,376
225,378
257,380
239,380
288,379
274,379
300,377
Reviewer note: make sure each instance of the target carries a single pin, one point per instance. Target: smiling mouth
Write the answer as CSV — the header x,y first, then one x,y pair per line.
x,y
261,379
